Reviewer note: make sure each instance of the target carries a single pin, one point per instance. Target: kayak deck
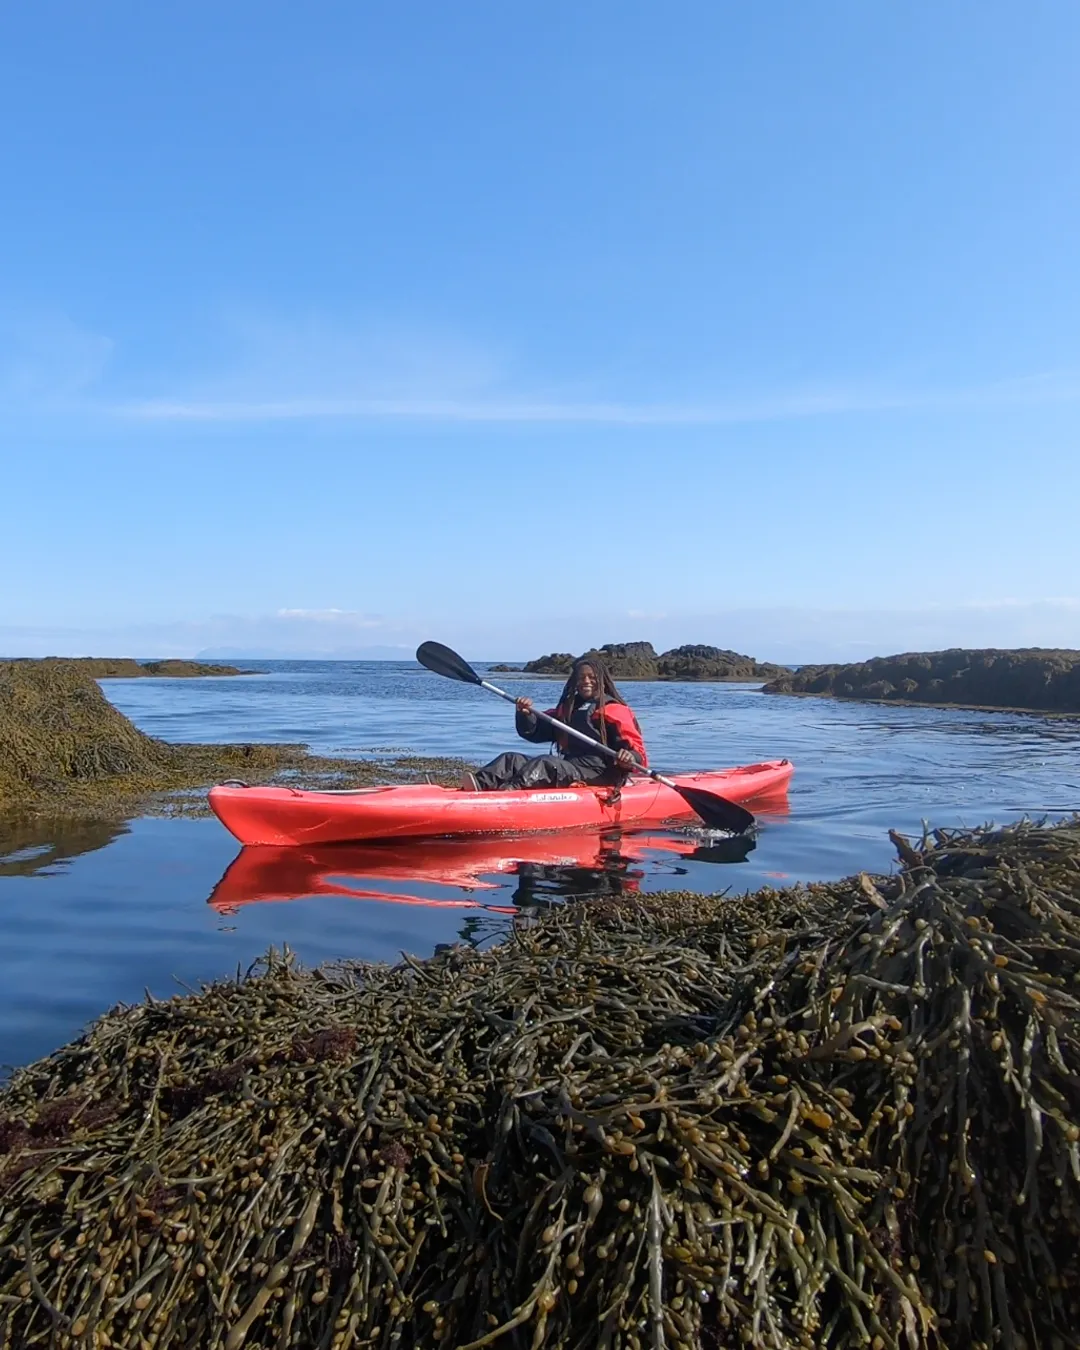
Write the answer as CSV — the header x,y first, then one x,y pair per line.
x,y
292,816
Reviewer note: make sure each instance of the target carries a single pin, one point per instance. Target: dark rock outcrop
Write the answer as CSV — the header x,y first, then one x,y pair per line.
x,y
625,660
628,660
555,663
698,662
125,668
639,661
173,668
1030,678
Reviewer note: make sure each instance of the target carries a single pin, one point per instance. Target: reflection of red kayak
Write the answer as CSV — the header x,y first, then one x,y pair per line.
x,y
265,872
286,873
284,816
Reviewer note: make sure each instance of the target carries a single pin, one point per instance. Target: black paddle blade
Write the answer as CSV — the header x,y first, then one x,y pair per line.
x,y
443,661
717,812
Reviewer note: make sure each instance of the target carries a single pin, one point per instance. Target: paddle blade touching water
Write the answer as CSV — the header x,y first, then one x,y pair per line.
x,y
716,811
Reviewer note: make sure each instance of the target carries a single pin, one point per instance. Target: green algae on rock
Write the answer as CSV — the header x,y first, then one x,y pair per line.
x,y
1030,679
639,661
65,749
834,1115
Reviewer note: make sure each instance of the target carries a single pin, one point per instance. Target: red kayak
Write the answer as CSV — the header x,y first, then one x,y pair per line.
x,y
282,815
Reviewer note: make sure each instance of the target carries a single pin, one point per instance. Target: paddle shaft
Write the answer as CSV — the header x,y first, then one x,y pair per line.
x,y
581,736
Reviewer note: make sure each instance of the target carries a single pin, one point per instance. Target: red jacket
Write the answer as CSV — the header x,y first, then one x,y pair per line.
x,y
621,724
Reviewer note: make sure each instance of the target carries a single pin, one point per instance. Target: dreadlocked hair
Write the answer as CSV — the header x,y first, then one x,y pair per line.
x,y
606,691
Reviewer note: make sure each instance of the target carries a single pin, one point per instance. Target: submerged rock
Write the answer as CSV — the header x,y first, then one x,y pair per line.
x,y
1028,678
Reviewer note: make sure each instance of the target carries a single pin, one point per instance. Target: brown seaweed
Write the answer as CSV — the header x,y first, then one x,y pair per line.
x,y
836,1115
65,750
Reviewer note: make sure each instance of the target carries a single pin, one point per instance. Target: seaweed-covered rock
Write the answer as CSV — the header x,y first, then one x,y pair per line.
x,y
628,660
838,1115
65,747
625,660
57,727
695,661
555,663
62,742
174,669
1031,678
127,668
639,661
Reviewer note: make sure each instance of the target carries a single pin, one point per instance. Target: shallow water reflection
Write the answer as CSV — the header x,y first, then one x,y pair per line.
x,y
519,871
33,848
90,915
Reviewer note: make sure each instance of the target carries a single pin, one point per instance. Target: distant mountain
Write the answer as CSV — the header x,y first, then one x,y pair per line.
x,y
338,654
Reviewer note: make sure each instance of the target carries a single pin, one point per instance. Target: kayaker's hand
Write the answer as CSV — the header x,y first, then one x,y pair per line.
x,y
626,760
524,706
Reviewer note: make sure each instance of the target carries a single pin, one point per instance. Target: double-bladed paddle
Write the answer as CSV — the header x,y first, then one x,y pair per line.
x,y
716,811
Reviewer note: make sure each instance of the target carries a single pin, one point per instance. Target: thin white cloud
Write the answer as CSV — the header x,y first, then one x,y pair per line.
x,y
1067,602
349,618
309,370
285,633
778,406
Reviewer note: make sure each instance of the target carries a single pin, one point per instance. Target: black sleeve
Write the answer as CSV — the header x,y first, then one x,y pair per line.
x,y
530,728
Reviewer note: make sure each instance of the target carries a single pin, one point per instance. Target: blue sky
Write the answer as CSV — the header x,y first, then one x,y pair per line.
x,y
338,326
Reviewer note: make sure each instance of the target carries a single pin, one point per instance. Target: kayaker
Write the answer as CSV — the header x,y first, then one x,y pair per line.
x,y
591,703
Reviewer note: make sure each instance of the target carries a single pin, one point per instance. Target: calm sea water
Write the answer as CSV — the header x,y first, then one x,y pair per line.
x,y
93,916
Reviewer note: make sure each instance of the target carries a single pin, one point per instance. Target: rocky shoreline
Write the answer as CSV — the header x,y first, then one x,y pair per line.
x,y
127,668
1036,680
640,661
1022,680
65,750
835,1115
